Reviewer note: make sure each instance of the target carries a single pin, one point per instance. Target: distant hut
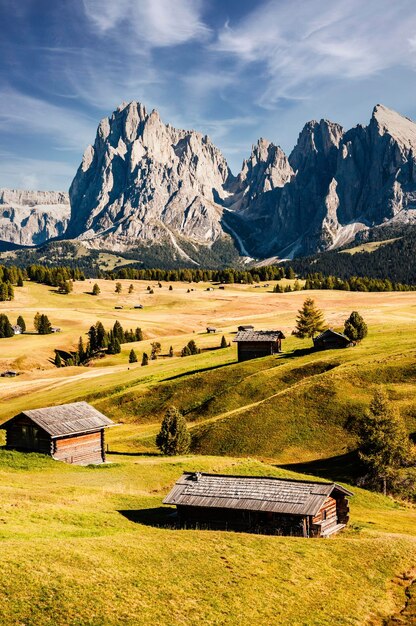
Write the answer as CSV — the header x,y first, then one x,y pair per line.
x,y
17,329
258,504
246,327
253,344
9,374
211,329
330,339
55,329
73,433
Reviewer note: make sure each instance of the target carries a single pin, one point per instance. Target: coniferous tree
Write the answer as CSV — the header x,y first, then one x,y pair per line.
x,y
384,442
36,321
118,331
58,360
131,289
174,437
81,350
21,322
186,351
20,281
145,359
6,329
171,351
132,356
45,327
118,288
193,347
96,290
138,334
223,342
92,344
355,327
310,320
101,336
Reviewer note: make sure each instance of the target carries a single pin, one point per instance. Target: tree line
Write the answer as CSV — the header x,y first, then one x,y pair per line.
x,y
100,341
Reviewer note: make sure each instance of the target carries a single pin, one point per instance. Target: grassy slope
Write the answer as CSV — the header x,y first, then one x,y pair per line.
x,y
69,553
87,546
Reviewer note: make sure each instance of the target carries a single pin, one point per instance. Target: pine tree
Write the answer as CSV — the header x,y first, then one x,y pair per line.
x,y
193,347
138,334
310,320
355,327
118,288
36,321
101,336
173,437
132,356
96,290
81,350
223,342
21,323
131,289
6,329
171,351
145,359
118,331
186,351
45,327
58,360
92,344
20,281
384,443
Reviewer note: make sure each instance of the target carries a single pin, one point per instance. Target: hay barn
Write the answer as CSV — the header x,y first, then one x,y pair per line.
x,y
253,344
73,433
330,339
258,504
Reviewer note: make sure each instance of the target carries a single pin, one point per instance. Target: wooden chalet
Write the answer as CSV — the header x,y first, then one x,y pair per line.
x,y
73,433
272,506
330,339
246,327
253,344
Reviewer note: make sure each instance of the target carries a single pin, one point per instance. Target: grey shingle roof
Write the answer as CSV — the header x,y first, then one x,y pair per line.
x,y
251,493
330,331
67,419
259,335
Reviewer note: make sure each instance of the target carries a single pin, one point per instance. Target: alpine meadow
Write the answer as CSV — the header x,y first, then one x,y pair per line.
x,y
207,313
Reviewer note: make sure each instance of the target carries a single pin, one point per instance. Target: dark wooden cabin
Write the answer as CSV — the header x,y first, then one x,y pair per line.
x,y
330,339
246,327
253,344
272,506
73,433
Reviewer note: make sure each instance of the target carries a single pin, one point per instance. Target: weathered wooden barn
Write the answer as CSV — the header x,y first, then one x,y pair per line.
x,y
330,339
261,505
73,433
246,327
253,344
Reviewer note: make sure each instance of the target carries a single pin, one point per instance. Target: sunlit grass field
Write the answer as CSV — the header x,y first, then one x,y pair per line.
x,y
92,546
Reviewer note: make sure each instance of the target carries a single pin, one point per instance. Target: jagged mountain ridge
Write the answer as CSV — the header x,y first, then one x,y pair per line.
x,y
144,184
29,218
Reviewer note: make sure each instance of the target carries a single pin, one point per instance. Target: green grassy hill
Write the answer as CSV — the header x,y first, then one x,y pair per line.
x,y
94,546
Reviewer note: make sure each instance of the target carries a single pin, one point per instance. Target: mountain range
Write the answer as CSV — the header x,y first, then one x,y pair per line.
x,y
146,186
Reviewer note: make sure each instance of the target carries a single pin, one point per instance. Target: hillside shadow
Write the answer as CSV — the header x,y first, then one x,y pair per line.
x,y
158,517
344,467
198,371
298,353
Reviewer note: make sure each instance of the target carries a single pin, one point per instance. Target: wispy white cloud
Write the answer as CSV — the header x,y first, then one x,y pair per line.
x,y
23,114
153,23
302,43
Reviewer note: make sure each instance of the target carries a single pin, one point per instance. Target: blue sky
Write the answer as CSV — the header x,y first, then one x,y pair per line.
x,y
234,69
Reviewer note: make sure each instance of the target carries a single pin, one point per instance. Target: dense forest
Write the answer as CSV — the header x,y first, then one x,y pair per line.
x,y
394,261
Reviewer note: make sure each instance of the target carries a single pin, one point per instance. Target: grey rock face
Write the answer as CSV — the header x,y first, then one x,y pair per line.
x,y
145,181
32,217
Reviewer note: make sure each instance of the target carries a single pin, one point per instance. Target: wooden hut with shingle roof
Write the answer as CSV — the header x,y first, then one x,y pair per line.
x,y
73,433
260,504
253,344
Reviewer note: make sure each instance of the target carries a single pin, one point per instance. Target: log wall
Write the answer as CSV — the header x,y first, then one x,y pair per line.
x,y
80,449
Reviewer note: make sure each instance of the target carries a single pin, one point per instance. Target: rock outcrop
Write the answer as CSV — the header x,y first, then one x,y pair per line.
x,y
30,218
143,181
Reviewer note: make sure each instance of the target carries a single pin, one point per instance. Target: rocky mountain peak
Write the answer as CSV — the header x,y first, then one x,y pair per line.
x,y
385,121
316,138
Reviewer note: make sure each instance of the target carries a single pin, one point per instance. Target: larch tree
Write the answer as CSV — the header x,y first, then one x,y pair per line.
x,y
21,322
310,320
174,437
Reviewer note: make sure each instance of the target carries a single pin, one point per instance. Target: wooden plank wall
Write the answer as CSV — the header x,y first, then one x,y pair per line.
x,y
80,449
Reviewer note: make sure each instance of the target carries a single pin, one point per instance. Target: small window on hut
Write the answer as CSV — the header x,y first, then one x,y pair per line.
x,y
324,515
